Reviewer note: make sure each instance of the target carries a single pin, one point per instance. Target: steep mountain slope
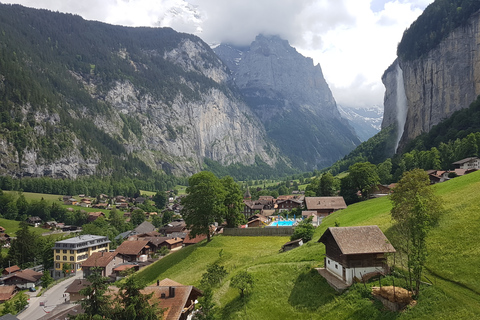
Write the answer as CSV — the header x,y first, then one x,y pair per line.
x,y
80,98
438,66
291,97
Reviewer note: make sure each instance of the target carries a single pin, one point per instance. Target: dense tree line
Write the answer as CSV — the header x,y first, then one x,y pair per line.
x,y
437,21
364,175
259,170
92,186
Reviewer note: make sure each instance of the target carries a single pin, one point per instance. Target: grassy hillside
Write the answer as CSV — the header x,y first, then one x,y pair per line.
x,y
286,287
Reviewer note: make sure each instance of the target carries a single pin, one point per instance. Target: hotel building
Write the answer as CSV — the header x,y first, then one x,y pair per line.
x,y
75,251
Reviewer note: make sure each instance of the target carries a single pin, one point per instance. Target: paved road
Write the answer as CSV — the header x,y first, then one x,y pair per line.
x,y
51,298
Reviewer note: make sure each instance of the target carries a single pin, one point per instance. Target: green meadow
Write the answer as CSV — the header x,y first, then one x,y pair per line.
x,y
288,287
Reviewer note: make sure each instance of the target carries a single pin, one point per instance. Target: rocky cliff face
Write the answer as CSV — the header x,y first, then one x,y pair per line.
x,y
152,97
292,99
445,80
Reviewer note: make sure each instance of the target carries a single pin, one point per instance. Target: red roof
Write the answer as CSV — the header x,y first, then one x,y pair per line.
x,y
11,269
124,267
197,239
6,292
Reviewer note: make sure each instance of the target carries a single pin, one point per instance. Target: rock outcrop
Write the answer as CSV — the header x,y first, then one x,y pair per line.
x,y
291,97
126,98
441,82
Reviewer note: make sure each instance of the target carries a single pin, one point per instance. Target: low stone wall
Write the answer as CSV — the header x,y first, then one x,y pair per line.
x,y
258,232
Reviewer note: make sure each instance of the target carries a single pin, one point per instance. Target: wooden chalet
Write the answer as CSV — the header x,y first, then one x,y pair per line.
x,y
34,221
23,279
132,250
467,163
324,205
353,252
289,204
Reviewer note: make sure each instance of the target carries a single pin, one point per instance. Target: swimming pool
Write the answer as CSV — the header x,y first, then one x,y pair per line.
x,y
282,223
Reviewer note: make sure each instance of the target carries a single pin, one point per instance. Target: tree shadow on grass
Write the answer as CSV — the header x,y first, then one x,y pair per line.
x,y
237,305
311,291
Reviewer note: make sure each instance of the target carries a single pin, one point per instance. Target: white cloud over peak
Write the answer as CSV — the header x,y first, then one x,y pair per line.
x,y
353,40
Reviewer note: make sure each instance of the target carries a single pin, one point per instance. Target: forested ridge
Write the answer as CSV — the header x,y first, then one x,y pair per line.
x,y
451,140
437,21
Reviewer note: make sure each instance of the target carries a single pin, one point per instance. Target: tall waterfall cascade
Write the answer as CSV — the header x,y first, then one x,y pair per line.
x,y
401,106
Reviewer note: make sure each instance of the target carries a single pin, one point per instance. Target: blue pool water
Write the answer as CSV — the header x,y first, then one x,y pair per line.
x,y
282,223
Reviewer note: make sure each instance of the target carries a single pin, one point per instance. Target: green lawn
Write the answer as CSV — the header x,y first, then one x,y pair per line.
x,y
286,286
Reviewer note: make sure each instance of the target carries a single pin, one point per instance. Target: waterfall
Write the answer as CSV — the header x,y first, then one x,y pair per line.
x,y
401,106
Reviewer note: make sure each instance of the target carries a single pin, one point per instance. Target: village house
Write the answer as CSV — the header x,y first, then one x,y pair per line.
x,y
324,205
23,279
177,300
133,250
34,221
173,227
103,261
468,163
379,190
289,204
173,243
188,241
101,205
354,252
7,292
257,221
85,203
74,289
70,201
11,269
92,216
75,251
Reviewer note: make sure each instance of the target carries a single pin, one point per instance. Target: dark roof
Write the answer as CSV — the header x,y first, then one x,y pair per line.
x,y
99,259
77,285
131,247
292,243
27,274
317,203
465,160
359,240
144,227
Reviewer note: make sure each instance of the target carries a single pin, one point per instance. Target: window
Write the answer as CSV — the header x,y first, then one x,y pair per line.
x,y
328,261
336,266
71,258
57,258
57,265
58,250
64,251
64,258
72,251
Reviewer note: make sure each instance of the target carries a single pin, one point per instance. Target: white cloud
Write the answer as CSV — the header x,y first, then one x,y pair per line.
x,y
353,40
